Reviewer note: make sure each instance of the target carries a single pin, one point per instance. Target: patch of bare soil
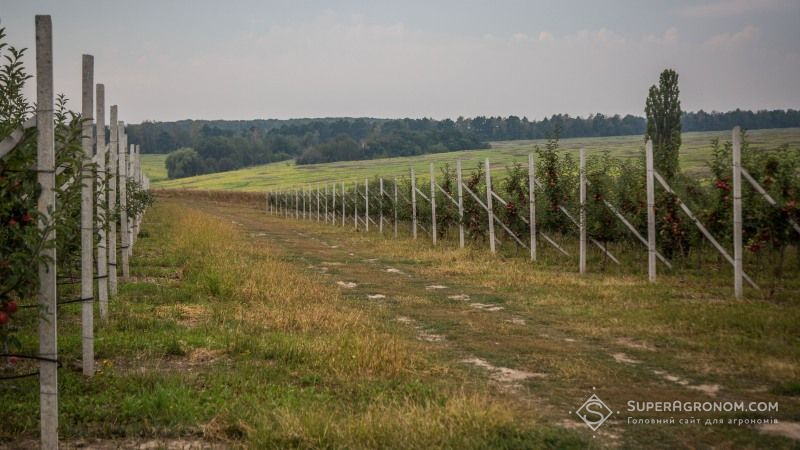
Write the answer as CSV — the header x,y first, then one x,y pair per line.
x,y
192,360
503,374
636,345
622,358
188,314
790,430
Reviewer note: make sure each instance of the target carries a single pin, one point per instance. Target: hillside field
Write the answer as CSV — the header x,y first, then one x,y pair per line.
x,y
695,152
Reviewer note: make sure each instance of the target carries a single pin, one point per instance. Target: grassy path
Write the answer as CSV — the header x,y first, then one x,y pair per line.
x,y
545,339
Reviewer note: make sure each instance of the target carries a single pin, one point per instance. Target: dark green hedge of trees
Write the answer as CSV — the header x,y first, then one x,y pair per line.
x,y
216,149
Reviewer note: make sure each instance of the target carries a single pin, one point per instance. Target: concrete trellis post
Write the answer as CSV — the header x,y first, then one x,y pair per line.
x,y
123,199
355,204
433,205
532,204
326,203
380,206
651,213
343,205
87,220
134,176
45,165
582,249
413,204
112,202
489,208
131,177
318,219
366,204
395,207
102,210
296,205
737,213
460,205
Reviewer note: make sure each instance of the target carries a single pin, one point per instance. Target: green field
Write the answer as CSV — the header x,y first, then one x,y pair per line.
x,y
155,168
695,152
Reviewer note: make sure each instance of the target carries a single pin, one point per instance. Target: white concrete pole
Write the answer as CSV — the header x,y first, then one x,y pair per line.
x,y
433,205
87,220
45,163
102,245
138,172
355,204
131,177
582,224
532,203
123,200
651,213
113,168
413,204
395,207
380,205
343,205
366,204
738,266
489,204
460,204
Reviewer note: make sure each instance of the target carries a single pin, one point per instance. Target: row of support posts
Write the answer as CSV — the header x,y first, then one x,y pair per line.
x,y
651,178
111,168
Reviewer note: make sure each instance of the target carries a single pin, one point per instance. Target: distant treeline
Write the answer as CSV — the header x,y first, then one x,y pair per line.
x,y
226,145
215,149
596,125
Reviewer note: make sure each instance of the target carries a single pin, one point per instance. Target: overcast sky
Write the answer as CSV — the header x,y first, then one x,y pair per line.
x,y
169,60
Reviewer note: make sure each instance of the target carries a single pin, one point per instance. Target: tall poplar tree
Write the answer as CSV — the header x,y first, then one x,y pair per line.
x,y
663,111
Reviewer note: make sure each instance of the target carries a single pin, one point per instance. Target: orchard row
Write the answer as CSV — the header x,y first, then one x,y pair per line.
x,y
72,195
605,202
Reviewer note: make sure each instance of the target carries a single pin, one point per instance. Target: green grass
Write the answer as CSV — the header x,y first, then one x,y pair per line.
x,y
695,153
229,341
155,168
229,332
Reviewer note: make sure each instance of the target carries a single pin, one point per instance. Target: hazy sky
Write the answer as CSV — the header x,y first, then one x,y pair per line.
x,y
168,60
